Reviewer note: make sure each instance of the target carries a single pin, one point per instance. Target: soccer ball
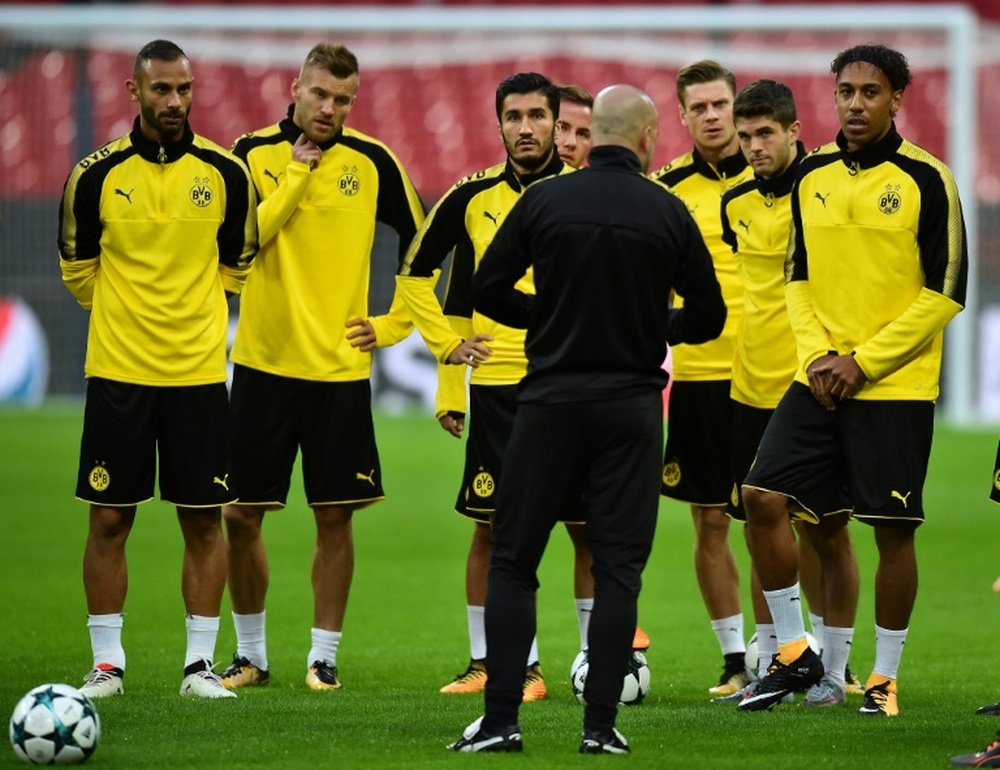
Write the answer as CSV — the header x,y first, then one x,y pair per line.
x,y
54,724
635,685
751,658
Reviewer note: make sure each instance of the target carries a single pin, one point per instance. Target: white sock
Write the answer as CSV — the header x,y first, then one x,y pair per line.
x,y
324,646
729,632
767,647
106,639
251,641
786,611
201,634
533,652
477,631
583,609
888,651
836,651
818,628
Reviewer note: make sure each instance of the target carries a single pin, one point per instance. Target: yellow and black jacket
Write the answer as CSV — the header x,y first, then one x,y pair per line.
x,y
877,264
151,237
700,185
317,228
756,222
465,220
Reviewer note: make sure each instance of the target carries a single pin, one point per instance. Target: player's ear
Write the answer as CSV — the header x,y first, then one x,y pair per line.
x,y
794,130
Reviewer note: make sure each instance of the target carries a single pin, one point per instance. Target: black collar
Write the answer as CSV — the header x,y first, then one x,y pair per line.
x,y
160,152
521,183
780,185
730,166
872,154
614,156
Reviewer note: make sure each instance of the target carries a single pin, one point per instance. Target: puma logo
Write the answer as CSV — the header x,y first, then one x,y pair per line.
x,y
821,198
901,498
745,225
493,219
370,478
275,178
126,195
221,482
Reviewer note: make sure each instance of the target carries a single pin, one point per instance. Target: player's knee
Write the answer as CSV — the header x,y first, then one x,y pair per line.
x,y
762,505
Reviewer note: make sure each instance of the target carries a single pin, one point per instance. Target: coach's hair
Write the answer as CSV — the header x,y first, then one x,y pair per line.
x,y
528,83
766,99
570,93
892,63
160,50
704,71
336,59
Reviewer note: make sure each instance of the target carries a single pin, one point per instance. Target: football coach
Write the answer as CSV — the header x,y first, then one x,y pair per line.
x,y
607,246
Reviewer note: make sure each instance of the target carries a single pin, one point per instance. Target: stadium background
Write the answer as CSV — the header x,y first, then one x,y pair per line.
x,y
430,98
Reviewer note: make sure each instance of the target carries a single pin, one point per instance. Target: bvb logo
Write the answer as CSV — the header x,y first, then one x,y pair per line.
x,y
348,183
483,484
201,194
889,202
996,480
99,478
671,474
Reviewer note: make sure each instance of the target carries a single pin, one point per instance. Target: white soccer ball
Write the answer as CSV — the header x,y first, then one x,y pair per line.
x,y
54,724
751,658
635,685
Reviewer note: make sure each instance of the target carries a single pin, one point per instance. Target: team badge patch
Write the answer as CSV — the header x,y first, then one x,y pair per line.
x,y
483,484
99,478
734,496
348,182
201,193
671,474
889,201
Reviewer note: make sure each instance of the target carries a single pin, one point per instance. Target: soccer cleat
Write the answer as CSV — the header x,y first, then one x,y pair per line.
x,y
880,700
243,673
322,676
825,692
103,681
472,680
852,684
993,710
640,641
474,738
602,742
534,685
201,682
988,757
734,675
782,680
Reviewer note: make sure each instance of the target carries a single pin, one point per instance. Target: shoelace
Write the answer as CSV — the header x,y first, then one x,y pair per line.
x,y
97,676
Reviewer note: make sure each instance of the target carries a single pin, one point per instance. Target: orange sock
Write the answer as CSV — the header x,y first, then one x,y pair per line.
x,y
790,651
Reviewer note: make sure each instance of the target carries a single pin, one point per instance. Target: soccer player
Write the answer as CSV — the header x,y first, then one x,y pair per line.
x,y
756,220
465,220
303,349
573,138
877,267
607,246
155,228
699,419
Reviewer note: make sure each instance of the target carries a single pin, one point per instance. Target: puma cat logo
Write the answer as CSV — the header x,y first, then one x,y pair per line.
x,y
126,195
492,218
901,498
275,178
821,198
745,225
370,478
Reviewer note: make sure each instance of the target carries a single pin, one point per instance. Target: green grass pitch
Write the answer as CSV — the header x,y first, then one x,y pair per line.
x,y
405,632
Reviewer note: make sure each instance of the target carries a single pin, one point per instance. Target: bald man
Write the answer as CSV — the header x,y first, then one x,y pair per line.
x,y
607,247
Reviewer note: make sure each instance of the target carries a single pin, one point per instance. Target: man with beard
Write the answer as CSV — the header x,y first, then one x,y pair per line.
x,y
465,221
303,350
155,228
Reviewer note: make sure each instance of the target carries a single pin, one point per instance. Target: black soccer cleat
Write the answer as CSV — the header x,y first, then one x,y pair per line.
x,y
988,757
507,739
782,680
603,742
992,710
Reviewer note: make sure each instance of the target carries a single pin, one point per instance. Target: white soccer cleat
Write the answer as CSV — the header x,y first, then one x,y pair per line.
x,y
205,684
105,680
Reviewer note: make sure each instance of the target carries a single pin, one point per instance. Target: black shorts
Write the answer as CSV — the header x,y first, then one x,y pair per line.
x,y
995,491
331,421
699,438
749,423
491,419
869,456
125,426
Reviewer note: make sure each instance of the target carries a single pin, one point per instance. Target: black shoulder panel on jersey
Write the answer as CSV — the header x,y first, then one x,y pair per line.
x,y
248,142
